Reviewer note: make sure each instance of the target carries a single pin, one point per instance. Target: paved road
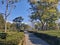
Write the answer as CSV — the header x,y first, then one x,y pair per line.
x,y
31,39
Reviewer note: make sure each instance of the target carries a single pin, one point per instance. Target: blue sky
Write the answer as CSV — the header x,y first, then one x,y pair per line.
x,y
22,9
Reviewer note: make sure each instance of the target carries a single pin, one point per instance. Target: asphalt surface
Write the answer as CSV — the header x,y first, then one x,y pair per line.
x,y
31,39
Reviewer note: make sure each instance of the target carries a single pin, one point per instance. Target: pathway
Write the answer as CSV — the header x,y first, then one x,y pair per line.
x,y
31,39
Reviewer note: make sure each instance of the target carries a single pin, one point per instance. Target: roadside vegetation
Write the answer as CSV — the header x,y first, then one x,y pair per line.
x,y
13,34
52,32
11,38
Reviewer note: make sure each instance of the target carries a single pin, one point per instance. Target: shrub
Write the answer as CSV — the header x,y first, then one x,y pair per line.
x,y
13,38
3,35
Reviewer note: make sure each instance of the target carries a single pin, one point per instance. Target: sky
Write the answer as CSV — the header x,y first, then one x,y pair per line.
x,y
22,9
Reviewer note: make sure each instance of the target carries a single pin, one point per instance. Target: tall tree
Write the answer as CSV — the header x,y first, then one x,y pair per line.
x,y
9,5
44,10
18,21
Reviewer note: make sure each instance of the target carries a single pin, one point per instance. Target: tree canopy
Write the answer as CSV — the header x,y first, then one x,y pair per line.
x,y
44,10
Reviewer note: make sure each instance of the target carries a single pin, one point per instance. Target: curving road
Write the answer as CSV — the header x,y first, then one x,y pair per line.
x,y
31,39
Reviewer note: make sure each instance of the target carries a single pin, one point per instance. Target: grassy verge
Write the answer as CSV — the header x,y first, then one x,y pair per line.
x,y
51,33
12,38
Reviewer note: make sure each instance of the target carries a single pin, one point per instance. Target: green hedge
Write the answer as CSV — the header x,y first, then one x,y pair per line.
x,y
12,38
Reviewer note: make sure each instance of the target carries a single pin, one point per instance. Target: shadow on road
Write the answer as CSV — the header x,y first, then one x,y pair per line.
x,y
35,40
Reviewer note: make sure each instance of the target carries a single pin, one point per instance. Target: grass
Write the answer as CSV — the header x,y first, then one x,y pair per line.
x,y
12,38
52,32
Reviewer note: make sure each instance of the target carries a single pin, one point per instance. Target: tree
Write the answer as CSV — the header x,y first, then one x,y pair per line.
x,y
18,21
25,26
44,10
1,21
9,5
8,25
13,27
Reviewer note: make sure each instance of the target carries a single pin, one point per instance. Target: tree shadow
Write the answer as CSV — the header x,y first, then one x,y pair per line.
x,y
52,40
35,40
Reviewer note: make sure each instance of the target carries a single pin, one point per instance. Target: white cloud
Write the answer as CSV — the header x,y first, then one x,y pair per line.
x,y
10,21
57,21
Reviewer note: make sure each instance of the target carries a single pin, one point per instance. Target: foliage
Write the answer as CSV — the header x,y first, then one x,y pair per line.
x,y
1,21
13,38
43,10
13,27
3,35
25,26
8,25
18,21
52,32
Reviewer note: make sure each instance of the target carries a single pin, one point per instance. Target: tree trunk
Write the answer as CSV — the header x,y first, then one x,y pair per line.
x,y
42,26
5,24
6,15
46,26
